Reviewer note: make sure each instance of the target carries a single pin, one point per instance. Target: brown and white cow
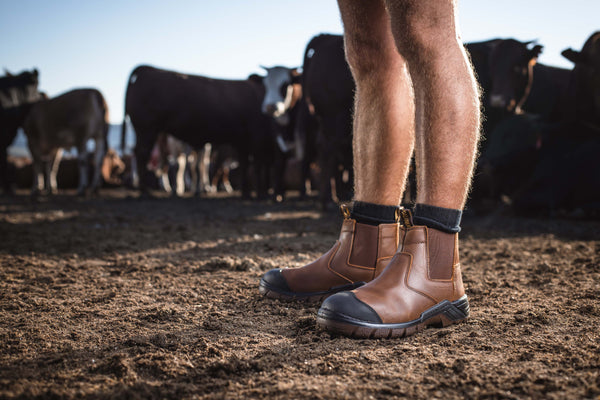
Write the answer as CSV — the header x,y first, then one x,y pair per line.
x,y
66,121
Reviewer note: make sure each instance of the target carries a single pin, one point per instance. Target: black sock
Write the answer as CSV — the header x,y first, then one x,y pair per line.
x,y
443,219
373,214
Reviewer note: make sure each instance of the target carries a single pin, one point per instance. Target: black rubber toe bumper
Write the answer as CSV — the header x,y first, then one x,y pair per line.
x,y
274,285
274,279
349,307
346,315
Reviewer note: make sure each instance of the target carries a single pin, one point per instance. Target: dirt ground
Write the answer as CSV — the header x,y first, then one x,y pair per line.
x,y
116,297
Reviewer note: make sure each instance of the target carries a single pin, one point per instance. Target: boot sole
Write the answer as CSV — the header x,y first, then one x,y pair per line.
x,y
442,314
310,297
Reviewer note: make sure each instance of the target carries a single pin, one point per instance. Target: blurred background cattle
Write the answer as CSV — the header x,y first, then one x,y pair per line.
x,y
290,130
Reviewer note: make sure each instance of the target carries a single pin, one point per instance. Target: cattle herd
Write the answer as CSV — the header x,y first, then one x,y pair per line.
x,y
539,153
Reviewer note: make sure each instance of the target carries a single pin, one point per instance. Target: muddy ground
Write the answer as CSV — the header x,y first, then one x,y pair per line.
x,y
115,297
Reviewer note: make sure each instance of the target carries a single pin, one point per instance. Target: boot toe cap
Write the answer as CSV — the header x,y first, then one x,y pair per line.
x,y
346,306
274,280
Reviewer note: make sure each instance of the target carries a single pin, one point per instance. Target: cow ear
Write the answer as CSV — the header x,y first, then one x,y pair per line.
x,y
574,56
535,51
256,78
7,72
35,72
296,74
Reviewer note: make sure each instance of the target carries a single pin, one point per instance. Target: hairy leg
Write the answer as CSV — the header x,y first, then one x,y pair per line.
x,y
446,97
384,105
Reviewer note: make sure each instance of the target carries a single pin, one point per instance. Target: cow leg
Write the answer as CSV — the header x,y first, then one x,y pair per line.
x,y
192,162
261,175
38,176
98,157
344,172
279,174
143,149
4,175
163,174
52,172
180,178
225,178
82,161
244,162
328,169
204,164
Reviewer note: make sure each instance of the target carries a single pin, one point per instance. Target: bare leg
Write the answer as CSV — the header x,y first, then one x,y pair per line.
x,y
397,302
384,108
446,96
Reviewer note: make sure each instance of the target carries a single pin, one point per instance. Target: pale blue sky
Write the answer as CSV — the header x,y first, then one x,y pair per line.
x,y
97,43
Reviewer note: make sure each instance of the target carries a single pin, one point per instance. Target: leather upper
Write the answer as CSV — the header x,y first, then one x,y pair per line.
x,y
424,271
360,254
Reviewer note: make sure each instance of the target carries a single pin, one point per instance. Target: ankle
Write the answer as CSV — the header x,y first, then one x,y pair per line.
x,y
443,219
373,214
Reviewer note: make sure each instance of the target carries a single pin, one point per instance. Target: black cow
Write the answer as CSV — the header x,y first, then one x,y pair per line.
x,y
17,93
199,110
513,81
504,70
511,66
328,96
586,79
329,89
566,175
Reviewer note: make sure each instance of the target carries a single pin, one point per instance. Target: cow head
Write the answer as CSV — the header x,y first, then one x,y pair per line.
x,y
282,91
587,78
511,70
19,89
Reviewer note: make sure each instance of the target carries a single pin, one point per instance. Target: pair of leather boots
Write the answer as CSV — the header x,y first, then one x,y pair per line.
x,y
390,280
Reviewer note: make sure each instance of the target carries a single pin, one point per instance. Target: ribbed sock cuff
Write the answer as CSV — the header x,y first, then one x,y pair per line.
x,y
443,219
373,214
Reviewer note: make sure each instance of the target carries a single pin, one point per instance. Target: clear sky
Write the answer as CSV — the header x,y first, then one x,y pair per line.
x,y
93,43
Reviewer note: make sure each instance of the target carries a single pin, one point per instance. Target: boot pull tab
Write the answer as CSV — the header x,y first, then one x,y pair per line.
x,y
404,216
345,211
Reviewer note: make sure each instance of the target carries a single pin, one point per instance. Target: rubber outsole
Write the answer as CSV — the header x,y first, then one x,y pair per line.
x,y
442,314
311,297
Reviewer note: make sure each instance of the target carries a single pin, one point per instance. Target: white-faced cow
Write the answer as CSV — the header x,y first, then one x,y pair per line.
x,y
17,93
283,93
328,92
199,110
66,121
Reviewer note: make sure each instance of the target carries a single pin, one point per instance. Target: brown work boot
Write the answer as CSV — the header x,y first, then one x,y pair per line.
x,y
360,254
421,286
